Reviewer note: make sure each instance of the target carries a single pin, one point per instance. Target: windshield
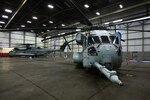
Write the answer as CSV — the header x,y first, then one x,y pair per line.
x,y
105,39
96,39
112,38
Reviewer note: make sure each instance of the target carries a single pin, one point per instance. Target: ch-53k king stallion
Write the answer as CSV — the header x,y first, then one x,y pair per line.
x,y
101,50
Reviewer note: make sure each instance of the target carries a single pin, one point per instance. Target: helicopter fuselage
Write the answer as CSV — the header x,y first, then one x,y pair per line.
x,y
104,49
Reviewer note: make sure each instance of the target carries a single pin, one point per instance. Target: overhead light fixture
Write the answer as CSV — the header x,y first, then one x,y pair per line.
x,y
106,23
4,16
51,22
78,30
86,6
50,6
2,22
34,17
29,21
62,33
44,24
116,21
22,25
48,30
32,31
62,24
42,32
139,19
8,10
121,6
98,13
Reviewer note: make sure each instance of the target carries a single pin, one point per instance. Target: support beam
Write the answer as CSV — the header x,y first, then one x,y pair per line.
x,y
115,12
143,41
35,40
13,16
128,42
9,39
24,38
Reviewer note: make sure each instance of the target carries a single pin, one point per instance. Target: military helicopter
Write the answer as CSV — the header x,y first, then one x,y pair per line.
x,y
29,51
101,50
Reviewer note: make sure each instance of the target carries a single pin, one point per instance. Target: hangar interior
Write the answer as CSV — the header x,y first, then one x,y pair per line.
x,y
135,15
54,76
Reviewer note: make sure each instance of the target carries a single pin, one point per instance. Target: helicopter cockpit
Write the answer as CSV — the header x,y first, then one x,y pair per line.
x,y
103,39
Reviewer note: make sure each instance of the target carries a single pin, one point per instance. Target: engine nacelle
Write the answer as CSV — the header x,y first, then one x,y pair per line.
x,y
80,38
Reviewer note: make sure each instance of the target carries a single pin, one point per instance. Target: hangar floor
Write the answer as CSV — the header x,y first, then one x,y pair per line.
x,y
59,79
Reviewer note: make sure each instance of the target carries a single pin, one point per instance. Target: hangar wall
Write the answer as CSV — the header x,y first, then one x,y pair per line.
x,y
14,38
135,47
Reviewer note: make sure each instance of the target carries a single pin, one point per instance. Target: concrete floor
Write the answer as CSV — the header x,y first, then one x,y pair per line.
x,y
59,79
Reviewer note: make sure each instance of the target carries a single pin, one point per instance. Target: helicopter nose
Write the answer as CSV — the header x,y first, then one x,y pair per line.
x,y
107,53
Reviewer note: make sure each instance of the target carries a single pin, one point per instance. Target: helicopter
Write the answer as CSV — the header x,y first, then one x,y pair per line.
x,y
29,51
101,50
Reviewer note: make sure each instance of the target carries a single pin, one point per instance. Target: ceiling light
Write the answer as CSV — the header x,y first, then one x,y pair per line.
x,y
29,21
44,24
138,19
42,32
121,6
50,6
8,10
2,22
106,23
51,22
4,16
22,25
34,17
63,33
98,13
86,6
119,20
62,24
78,30
32,31
48,30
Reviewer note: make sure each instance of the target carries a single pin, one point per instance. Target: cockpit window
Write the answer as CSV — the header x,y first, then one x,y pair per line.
x,y
112,38
96,39
117,40
105,39
90,40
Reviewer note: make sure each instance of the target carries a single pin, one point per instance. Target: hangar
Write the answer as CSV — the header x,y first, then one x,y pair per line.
x,y
40,42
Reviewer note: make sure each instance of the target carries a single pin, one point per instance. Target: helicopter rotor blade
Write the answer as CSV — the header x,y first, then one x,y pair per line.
x,y
67,42
56,36
39,28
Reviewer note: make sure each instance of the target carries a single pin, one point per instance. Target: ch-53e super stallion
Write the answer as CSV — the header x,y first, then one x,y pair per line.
x,y
28,50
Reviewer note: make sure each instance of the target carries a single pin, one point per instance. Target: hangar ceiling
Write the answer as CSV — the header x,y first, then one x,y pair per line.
x,y
60,13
